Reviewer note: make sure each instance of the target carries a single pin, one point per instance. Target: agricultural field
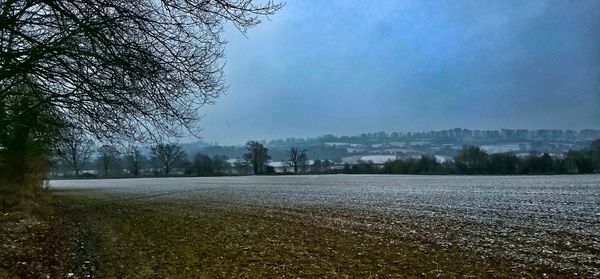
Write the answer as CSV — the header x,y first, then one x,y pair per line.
x,y
333,226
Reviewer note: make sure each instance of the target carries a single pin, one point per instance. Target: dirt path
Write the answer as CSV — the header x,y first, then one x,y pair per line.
x,y
51,245
81,242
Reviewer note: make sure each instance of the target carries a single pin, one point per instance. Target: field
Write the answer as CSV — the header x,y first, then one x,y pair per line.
x,y
333,226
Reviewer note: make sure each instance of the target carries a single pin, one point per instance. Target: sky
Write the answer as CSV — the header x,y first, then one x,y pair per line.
x,y
347,67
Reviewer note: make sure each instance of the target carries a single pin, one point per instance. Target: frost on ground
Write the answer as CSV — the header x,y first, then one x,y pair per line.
x,y
536,224
30,246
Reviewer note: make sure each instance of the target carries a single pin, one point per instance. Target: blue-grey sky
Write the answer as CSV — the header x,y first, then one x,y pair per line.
x,y
348,67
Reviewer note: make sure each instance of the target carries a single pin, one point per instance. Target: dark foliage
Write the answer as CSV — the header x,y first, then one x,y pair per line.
x,y
203,165
257,156
473,160
27,135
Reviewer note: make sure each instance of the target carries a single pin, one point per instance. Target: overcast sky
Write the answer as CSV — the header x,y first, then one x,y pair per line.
x,y
347,67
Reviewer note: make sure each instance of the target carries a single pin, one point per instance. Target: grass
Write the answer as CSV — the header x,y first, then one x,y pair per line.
x,y
150,239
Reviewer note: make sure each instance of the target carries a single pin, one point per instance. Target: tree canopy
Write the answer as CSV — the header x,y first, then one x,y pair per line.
x,y
257,156
166,156
116,68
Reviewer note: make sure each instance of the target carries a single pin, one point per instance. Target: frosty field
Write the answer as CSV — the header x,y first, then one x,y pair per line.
x,y
531,226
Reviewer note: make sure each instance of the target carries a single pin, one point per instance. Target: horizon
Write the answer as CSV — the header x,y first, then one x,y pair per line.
x,y
216,143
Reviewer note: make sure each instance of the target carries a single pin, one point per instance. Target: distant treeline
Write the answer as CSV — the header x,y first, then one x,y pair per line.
x,y
456,135
164,160
473,160
444,143
171,160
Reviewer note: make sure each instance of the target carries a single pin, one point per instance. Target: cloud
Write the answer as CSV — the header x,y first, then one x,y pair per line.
x,y
348,67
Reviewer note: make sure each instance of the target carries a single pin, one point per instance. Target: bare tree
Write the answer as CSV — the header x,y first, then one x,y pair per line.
x,y
134,160
167,156
75,149
121,68
257,156
108,156
297,157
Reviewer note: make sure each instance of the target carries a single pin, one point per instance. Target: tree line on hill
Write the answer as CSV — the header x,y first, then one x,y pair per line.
x,y
472,160
75,155
444,142
456,135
